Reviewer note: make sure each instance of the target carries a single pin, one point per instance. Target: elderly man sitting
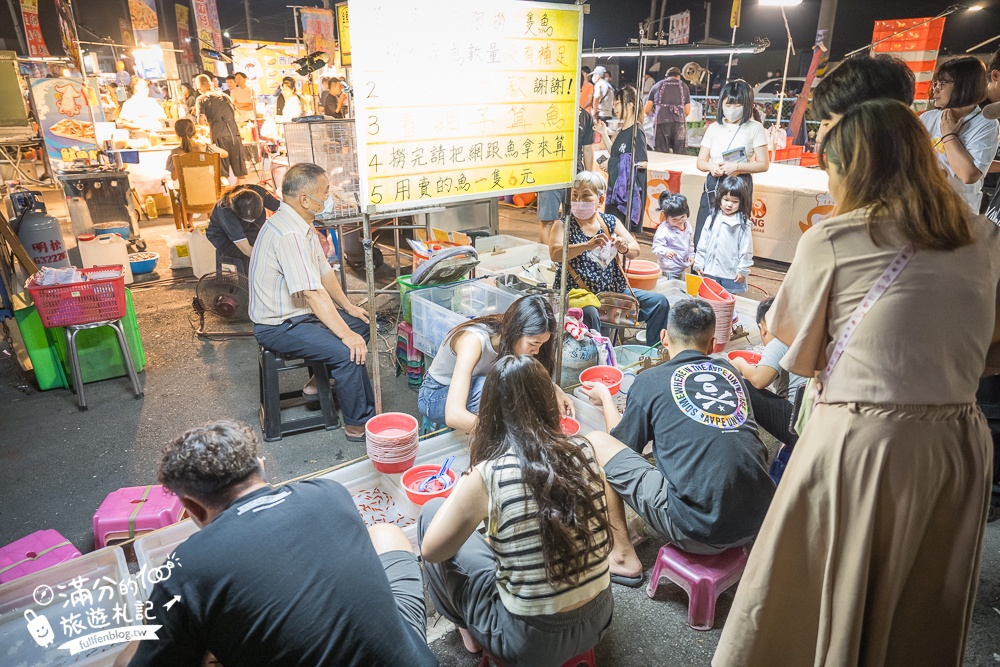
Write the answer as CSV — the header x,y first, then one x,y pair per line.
x,y
284,575
296,303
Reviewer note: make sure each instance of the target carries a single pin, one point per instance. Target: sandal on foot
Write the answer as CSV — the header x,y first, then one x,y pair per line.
x,y
631,582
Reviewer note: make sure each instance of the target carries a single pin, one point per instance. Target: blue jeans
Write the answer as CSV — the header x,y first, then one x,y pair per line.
x,y
653,310
731,286
433,396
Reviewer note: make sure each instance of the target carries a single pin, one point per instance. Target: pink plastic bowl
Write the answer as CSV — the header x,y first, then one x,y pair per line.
x,y
569,426
391,425
606,375
750,357
417,474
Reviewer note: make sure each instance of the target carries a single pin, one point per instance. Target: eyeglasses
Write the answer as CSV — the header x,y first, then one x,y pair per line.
x,y
941,83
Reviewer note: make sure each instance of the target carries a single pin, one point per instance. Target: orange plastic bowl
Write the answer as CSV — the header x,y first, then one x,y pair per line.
x,y
395,468
746,355
609,376
569,426
414,476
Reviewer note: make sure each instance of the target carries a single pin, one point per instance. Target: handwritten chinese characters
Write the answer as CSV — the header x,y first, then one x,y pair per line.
x,y
492,109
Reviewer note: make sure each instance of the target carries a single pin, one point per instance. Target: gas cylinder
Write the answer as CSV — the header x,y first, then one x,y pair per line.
x,y
37,231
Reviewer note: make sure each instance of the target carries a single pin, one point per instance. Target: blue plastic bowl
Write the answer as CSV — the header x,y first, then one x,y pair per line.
x,y
140,266
121,229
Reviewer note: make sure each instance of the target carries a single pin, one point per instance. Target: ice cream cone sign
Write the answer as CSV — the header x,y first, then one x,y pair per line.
x,y
823,210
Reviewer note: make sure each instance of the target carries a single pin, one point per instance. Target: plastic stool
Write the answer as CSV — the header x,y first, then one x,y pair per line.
x,y
427,426
779,463
135,510
587,659
239,263
703,577
74,357
33,553
271,397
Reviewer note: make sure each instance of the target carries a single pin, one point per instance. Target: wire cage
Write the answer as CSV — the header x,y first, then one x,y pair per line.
x,y
331,145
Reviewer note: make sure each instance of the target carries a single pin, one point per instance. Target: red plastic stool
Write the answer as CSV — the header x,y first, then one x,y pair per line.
x,y
703,577
135,510
587,659
34,552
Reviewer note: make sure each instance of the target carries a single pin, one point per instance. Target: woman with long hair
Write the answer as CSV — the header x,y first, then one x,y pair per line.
x,y
453,386
288,104
188,97
734,145
964,140
538,593
628,147
870,551
187,132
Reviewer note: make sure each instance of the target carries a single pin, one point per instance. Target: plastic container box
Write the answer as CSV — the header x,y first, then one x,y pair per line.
x,y
513,259
486,244
38,595
152,549
437,310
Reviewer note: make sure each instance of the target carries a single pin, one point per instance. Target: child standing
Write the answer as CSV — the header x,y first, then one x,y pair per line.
x,y
725,252
673,243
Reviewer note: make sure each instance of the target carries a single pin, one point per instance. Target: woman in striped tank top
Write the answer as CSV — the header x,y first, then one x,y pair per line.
x,y
538,592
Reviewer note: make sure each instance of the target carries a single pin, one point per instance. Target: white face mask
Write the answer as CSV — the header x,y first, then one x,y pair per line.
x,y
583,210
733,114
327,211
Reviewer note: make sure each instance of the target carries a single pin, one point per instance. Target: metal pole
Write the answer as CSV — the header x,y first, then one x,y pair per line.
x,y
784,74
729,67
635,121
15,17
370,277
246,10
563,305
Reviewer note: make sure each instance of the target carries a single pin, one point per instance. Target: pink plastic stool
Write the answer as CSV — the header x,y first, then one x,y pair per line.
x,y
587,659
703,577
404,339
135,510
34,552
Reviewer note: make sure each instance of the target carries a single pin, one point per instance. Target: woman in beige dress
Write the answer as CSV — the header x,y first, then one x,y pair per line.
x,y
870,552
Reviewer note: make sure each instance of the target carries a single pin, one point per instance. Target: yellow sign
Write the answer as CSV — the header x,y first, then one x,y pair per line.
x,y
734,18
344,32
490,110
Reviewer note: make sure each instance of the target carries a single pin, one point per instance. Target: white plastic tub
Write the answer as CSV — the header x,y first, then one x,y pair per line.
x,y
437,310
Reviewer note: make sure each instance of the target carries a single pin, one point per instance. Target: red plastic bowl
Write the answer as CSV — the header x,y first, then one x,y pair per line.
x,y
395,468
392,425
746,355
606,375
569,426
413,477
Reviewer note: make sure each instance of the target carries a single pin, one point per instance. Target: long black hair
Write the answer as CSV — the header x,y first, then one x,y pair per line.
x,y
738,91
528,316
519,415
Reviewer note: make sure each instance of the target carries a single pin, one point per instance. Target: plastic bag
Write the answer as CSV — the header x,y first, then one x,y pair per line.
x,y
604,255
180,253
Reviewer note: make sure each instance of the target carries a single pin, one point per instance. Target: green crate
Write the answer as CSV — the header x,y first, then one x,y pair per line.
x,y
405,287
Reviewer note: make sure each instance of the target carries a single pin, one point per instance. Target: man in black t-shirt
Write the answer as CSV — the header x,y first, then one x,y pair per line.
x,y
279,576
217,110
710,489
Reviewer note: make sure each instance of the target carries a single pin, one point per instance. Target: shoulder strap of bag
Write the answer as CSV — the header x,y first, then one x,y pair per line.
x,y
871,298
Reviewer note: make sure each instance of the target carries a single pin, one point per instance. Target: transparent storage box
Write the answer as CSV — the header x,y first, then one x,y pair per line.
x,y
52,598
437,310
152,549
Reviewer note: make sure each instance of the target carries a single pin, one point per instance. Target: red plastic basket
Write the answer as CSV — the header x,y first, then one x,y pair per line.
x,y
81,303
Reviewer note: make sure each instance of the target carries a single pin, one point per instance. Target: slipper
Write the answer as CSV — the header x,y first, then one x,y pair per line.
x,y
354,438
631,582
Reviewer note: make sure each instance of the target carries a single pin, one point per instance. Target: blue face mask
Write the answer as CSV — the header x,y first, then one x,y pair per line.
x,y
328,205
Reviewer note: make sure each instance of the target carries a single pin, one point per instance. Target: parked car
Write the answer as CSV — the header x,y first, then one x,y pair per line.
x,y
770,89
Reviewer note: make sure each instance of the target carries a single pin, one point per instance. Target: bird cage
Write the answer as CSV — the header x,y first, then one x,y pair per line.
x,y
331,145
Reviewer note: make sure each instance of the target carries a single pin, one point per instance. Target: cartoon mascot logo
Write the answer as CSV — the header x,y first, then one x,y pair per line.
x,y
822,211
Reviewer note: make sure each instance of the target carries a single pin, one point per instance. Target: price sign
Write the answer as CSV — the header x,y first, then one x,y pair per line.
x,y
464,100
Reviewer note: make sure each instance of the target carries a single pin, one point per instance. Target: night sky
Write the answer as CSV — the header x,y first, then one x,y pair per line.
x,y
610,23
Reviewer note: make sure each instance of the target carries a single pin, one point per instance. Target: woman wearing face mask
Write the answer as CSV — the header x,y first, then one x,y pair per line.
x,y
964,141
595,240
627,146
736,145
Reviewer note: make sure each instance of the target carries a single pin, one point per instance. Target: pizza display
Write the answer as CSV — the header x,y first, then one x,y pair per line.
x,y
143,16
75,130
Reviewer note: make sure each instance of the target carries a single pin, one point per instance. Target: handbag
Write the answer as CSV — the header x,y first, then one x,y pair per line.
x,y
806,397
616,308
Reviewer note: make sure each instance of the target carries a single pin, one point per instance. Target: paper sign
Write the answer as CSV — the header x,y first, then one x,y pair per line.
x,y
145,24
265,63
32,30
491,111
206,21
344,32
680,28
64,108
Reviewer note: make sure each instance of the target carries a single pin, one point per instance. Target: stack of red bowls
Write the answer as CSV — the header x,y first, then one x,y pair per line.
x,y
391,440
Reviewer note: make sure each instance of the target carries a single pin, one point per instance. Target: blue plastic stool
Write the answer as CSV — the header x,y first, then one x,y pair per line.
x,y
427,426
780,462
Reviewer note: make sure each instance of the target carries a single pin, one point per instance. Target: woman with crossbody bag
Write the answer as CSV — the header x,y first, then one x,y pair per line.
x,y
598,243
870,552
